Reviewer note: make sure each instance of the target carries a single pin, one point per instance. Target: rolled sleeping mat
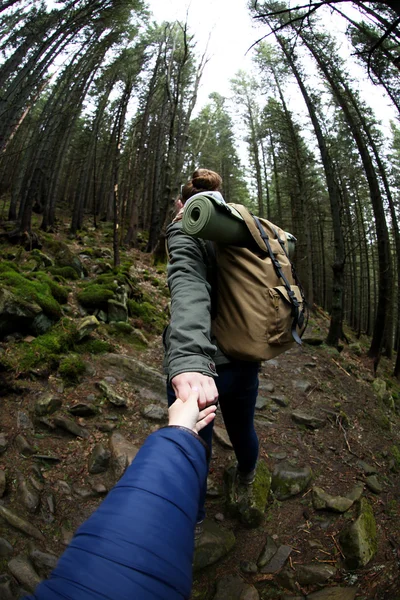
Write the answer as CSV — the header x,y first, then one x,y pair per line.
x,y
204,218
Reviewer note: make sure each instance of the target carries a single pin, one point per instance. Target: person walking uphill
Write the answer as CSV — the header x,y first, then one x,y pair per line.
x,y
192,357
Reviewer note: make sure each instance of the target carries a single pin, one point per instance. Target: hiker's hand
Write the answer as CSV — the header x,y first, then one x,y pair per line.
x,y
185,382
187,414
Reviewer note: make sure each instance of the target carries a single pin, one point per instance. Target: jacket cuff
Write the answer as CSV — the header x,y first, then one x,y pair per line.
x,y
192,433
192,364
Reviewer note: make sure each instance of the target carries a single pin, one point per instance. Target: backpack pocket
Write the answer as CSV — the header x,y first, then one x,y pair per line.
x,y
280,316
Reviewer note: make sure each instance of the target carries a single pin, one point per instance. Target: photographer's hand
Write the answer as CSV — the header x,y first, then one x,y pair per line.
x,y
187,414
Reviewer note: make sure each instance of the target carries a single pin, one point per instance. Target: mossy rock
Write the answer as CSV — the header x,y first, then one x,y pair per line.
x,y
44,352
59,292
148,314
72,368
95,296
395,452
67,273
63,256
94,346
248,503
32,290
359,540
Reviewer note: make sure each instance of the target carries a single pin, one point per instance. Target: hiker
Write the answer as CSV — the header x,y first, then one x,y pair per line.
x,y
139,543
192,357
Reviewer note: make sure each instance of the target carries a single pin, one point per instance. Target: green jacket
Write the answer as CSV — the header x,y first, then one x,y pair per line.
x,y
188,342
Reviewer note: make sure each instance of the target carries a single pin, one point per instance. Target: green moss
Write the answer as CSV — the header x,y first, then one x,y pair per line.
x,y
66,272
44,351
59,292
31,290
72,368
121,327
396,456
95,296
7,265
148,314
94,346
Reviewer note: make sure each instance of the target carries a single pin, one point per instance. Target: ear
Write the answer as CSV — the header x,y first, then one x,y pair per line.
x,y
178,204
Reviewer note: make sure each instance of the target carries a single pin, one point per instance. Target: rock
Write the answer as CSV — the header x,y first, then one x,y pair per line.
x,y
368,469
380,389
66,536
280,401
99,488
356,493
232,587
3,482
219,517
322,501
334,593
214,543
86,326
83,492
116,311
111,395
248,503
221,436
99,459
373,484
28,498
359,540
135,372
24,573
63,487
288,481
278,560
7,588
83,409
3,443
23,421
213,488
15,313
5,549
47,458
303,418
106,427
41,324
261,402
47,405
24,446
43,561
314,574
71,427
278,455
247,566
123,452
269,550
267,387
302,385
138,336
154,412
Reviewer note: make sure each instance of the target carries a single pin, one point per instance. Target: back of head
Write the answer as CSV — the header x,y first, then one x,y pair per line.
x,y
203,180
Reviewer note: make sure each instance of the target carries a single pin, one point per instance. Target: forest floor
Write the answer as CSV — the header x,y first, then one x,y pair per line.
x,y
358,429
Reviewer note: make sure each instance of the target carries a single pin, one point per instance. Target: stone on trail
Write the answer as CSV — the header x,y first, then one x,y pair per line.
x,y
359,540
47,404
301,385
288,481
5,549
85,326
43,561
20,524
123,452
374,484
314,574
154,412
248,503
3,482
232,587
28,497
324,501
3,443
71,427
278,560
280,401
356,493
23,571
302,418
23,446
267,552
221,436
135,372
334,593
6,588
99,459
111,395
267,387
214,543
83,409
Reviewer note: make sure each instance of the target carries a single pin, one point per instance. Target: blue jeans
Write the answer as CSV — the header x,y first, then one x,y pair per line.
x,y
237,385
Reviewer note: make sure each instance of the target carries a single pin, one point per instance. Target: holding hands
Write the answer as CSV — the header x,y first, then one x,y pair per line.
x,y
186,413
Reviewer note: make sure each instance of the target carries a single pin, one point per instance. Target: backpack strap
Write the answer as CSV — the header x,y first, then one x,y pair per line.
x,y
298,318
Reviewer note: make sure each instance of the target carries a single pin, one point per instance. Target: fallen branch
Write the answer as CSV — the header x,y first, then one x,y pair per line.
x,y
340,367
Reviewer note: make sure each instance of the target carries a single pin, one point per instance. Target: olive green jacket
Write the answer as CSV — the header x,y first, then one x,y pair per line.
x,y
188,342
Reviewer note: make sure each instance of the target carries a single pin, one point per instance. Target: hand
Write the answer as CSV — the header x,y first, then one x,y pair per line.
x,y
185,382
187,414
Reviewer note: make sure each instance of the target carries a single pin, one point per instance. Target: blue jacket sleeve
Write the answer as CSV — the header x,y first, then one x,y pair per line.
x,y
139,543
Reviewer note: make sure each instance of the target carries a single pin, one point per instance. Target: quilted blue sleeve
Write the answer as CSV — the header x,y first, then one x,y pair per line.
x,y
139,543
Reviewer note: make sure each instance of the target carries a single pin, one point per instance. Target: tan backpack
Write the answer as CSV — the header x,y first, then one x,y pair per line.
x,y
260,305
